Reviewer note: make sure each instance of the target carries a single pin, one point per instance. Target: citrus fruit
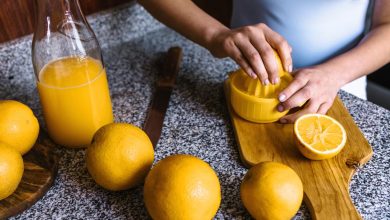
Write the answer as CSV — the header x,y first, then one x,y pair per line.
x,y
119,156
182,187
319,136
271,190
11,170
19,128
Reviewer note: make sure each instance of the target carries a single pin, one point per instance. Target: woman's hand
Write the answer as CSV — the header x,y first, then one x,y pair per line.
x,y
317,86
252,48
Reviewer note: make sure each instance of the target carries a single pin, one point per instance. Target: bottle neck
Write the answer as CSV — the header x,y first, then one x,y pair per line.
x,y
50,15
61,30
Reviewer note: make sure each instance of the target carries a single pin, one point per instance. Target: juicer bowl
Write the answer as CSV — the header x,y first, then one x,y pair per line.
x,y
256,102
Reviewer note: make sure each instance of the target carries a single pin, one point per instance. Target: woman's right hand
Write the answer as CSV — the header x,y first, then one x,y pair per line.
x,y
252,48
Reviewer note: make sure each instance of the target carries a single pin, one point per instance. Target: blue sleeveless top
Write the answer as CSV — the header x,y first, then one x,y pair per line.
x,y
316,29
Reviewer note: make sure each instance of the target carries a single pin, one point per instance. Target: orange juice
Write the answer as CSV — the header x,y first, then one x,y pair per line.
x,y
75,99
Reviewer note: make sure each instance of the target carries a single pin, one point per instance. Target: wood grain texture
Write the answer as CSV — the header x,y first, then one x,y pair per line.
x,y
219,9
326,183
40,170
17,16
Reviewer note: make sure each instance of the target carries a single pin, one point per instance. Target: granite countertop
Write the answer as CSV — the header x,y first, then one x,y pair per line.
x,y
197,122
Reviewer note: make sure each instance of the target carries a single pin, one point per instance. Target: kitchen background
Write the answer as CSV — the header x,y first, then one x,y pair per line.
x,y
17,20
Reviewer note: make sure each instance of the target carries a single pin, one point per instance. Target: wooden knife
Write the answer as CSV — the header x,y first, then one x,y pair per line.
x,y
164,85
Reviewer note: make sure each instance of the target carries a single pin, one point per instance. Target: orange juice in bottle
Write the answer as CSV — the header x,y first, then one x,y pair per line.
x,y
75,99
70,73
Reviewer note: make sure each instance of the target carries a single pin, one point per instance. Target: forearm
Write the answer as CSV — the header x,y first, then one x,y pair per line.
x,y
372,53
186,18
318,86
252,47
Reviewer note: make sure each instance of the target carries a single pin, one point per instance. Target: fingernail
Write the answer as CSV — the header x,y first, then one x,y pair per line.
x,y
266,82
282,97
283,121
290,68
252,74
280,108
276,80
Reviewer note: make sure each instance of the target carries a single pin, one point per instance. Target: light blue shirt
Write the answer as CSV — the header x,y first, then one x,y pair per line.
x,y
316,29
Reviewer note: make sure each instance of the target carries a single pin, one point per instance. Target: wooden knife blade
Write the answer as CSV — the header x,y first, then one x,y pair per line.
x,y
164,85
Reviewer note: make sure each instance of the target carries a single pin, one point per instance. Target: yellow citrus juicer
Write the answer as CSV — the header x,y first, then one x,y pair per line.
x,y
254,101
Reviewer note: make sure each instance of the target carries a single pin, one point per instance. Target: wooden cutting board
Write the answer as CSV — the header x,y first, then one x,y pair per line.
x,y
326,183
40,170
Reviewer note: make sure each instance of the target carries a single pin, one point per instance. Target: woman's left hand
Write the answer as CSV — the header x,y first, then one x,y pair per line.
x,y
317,86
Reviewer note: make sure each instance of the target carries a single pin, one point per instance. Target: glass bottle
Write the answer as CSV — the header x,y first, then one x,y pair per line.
x,y
70,74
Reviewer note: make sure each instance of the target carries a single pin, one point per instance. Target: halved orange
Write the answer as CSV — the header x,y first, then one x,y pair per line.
x,y
319,136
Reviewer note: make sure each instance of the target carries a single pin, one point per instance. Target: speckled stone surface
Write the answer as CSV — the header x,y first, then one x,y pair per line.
x,y
196,123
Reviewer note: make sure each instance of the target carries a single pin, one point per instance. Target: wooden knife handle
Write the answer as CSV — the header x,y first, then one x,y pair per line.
x,y
166,81
167,76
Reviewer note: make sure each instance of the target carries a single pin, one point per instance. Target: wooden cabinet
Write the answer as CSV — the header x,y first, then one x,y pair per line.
x,y
219,9
17,16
